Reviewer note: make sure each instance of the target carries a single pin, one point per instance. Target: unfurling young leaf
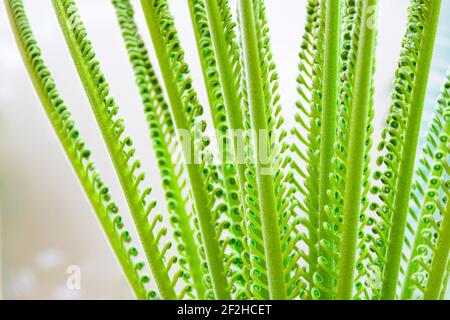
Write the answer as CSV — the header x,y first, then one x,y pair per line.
x,y
280,212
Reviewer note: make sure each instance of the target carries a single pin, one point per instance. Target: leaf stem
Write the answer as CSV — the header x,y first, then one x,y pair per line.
x,y
443,292
72,154
437,172
440,259
330,93
406,172
210,242
160,133
359,121
118,158
231,98
269,219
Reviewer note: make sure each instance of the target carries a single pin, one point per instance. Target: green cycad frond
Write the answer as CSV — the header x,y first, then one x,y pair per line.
x,y
186,110
320,113
264,181
349,54
259,287
120,147
167,152
392,144
318,88
77,152
215,97
209,64
341,178
430,251
305,150
229,71
278,154
401,137
356,184
216,100
331,16
265,219
221,125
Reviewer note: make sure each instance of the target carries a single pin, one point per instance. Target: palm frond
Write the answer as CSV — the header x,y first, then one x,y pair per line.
x,y
306,135
272,215
120,147
77,152
265,184
278,154
355,186
186,109
401,136
167,152
429,254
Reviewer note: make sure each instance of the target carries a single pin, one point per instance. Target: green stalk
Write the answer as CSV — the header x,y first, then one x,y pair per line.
x,y
330,91
232,101
119,160
359,120
443,292
77,163
176,204
212,249
231,182
440,260
406,293
233,105
269,219
213,98
406,171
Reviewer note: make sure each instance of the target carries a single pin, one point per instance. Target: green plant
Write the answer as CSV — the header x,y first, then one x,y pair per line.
x,y
278,214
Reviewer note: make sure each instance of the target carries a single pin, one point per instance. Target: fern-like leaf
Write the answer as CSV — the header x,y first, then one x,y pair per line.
x,y
429,253
77,152
120,147
265,184
162,134
355,185
186,109
306,136
401,137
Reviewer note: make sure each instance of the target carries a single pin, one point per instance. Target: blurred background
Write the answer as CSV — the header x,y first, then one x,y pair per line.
x,y
47,225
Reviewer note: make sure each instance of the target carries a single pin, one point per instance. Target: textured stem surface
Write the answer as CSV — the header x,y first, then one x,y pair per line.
x,y
208,232
358,127
135,204
265,185
440,260
76,161
406,172
330,91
